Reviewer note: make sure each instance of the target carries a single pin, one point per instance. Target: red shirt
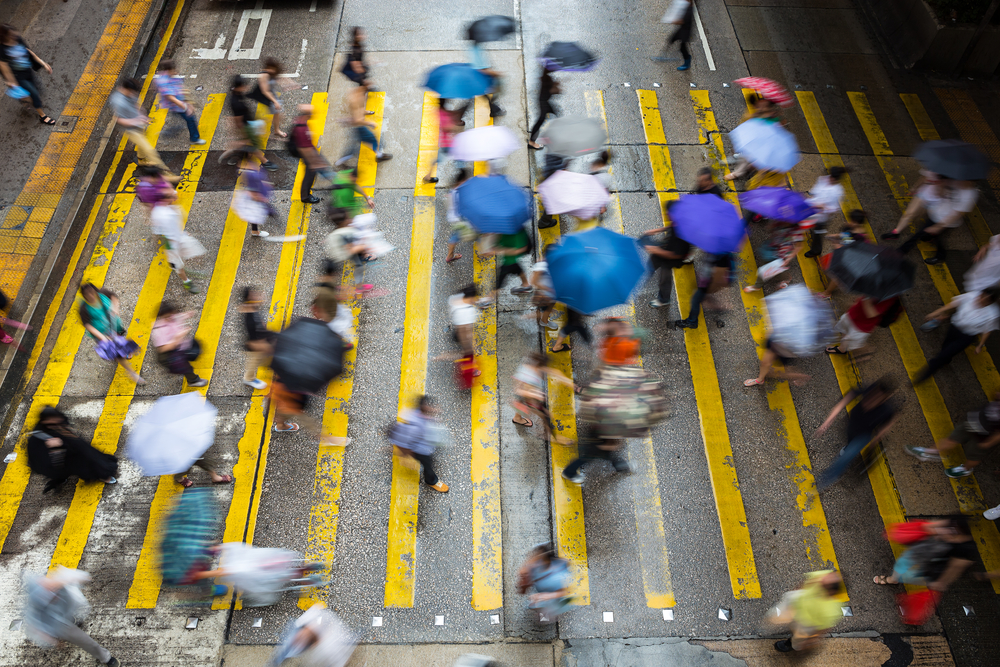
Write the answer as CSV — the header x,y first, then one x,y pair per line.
x,y
861,320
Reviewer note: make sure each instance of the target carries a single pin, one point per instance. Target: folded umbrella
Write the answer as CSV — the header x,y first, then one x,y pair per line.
x,y
458,81
307,355
595,269
491,28
708,222
568,57
570,192
777,204
768,89
491,142
952,158
494,205
572,136
174,434
766,145
875,271
801,322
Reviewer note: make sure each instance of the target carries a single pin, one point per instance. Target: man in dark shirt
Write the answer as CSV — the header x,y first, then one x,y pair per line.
x,y
246,124
706,184
666,257
315,163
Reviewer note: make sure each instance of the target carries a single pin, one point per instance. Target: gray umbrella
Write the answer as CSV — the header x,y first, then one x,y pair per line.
x,y
954,159
572,136
491,29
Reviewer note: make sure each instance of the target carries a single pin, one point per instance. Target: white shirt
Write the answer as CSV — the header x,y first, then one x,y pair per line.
x,y
952,200
986,272
343,321
462,313
544,280
973,320
825,195
166,221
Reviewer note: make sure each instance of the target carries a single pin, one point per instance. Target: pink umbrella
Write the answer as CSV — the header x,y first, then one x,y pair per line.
x,y
581,195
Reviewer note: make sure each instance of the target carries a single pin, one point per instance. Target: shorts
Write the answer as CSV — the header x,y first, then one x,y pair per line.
x,y
853,338
907,570
970,443
173,254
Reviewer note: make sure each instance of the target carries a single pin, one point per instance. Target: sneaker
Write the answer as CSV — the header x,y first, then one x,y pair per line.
x,y
688,260
686,324
656,303
785,646
546,222
261,234
219,589
923,453
113,662
958,472
270,166
992,513
889,236
138,380
933,260
198,142
551,325
382,158
233,161
311,199
812,254
930,325
361,289
686,65
111,480
576,479
440,486
484,302
189,286
497,112
524,289
256,383
200,382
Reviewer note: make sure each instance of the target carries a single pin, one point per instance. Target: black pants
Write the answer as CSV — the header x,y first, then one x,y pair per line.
x,y
684,51
427,461
922,235
589,451
307,182
955,340
696,299
508,270
544,109
816,243
665,277
575,324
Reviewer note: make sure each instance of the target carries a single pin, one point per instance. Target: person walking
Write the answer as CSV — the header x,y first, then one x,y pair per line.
x,y
510,247
174,345
938,559
977,436
867,423
165,219
449,124
355,68
543,296
985,271
248,128
479,61
56,451
812,610
775,352
362,133
101,319
301,146
712,272
549,575
17,65
252,202
825,195
172,95
266,91
858,323
343,202
52,609
594,448
461,230
972,314
531,396
680,14
547,88
666,257
342,245
259,343
414,437
945,203
133,120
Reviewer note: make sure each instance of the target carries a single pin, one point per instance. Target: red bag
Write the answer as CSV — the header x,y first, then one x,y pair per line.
x,y
917,608
907,532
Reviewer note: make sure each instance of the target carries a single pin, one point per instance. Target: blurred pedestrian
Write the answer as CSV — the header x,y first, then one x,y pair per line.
x,y
210,464
705,183
166,219
355,68
53,608
575,324
319,637
133,120
825,195
17,65
175,347
775,353
620,342
712,273
342,323
252,202
680,14
985,271
549,576
267,90
509,247
356,101
151,187
531,395
812,610
479,61
938,558
342,200
547,88
973,314
665,257
860,320
600,168
594,448
543,298
464,316
249,130
415,437
173,97
99,311
259,343
853,232
5,338
342,245
867,423
977,435
449,124
945,203
305,150
57,452
461,230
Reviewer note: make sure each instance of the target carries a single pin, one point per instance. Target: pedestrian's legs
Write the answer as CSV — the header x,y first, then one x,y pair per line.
x,y
684,51
131,372
938,241
191,376
192,125
366,136
692,319
916,208
921,235
495,109
955,340
147,154
254,359
847,455
305,191
74,635
665,284
537,127
27,81
509,270
427,461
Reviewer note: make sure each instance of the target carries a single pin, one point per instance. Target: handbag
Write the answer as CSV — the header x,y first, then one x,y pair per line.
x,y
917,608
193,351
907,532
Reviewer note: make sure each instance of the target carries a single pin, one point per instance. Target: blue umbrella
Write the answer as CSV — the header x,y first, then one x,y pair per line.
x,y
766,145
458,81
494,205
595,269
709,222
777,204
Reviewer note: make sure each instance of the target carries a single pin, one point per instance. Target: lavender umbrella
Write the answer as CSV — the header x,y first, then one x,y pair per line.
x,y
709,222
777,204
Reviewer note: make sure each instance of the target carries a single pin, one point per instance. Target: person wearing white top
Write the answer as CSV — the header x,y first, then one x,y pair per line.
x,y
825,195
945,202
972,314
985,271
165,219
464,314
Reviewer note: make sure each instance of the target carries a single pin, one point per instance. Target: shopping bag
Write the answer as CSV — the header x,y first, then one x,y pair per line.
x,y
772,269
907,532
188,247
917,608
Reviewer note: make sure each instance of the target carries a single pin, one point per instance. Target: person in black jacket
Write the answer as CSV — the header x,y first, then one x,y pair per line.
x,y
56,452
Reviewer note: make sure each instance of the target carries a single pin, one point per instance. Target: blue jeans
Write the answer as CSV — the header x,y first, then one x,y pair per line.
x,y
26,79
192,123
832,474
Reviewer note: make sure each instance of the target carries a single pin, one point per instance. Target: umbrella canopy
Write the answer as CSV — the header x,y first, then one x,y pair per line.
x,y
954,159
577,194
801,322
768,89
766,145
709,222
568,57
307,355
174,434
777,204
458,81
491,28
623,402
188,535
494,205
491,142
595,269
572,136
875,271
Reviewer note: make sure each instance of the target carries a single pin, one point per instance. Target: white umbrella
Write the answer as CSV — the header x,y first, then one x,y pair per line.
x,y
174,434
801,322
581,195
483,143
766,145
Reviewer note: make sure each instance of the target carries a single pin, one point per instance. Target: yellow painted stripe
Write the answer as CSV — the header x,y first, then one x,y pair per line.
x,y
921,119
400,566
324,517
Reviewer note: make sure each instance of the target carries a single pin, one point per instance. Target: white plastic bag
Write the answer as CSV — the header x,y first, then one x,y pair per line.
x,y
675,13
772,270
249,209
188,247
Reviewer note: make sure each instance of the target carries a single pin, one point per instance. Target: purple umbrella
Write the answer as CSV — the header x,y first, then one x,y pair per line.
x,y
709,222
777,204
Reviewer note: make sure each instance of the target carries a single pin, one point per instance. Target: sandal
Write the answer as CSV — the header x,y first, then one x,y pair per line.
x,y
455,258
564,348
226,479
527,424
45,120
292,427
752,382
881,580
835,349
186,483
750,289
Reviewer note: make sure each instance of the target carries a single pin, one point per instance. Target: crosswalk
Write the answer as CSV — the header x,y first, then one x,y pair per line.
x,y
114,208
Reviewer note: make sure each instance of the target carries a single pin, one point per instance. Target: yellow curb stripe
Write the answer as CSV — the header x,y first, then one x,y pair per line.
x,y
428,147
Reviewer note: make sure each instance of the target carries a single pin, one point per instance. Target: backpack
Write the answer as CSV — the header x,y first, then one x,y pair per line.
x,y
293,150
892,314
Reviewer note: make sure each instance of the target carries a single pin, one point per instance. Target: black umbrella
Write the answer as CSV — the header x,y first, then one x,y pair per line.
x,y
875,271
307,356
954,159
568,57
491,28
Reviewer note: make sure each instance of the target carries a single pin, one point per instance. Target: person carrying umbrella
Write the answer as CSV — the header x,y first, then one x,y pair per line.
x,y
547,88
57,452
461,230
945,202
489,29
450,123
972,314
666,257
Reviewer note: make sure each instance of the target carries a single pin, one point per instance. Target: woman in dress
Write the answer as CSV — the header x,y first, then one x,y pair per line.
x,y
57,452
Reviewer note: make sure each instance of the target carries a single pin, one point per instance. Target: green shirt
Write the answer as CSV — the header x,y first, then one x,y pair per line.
x,y
513,241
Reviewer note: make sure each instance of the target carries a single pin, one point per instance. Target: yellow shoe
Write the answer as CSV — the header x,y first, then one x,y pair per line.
x,y
440,486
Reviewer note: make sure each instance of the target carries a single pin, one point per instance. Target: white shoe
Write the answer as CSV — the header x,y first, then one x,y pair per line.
x,y
261,234
200,142
256,383
992,513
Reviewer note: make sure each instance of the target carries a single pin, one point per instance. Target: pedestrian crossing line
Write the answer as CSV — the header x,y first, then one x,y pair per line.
x,y
972,127
567,497
819,545
401,555
981,363
487,526
712,417
884,488
324,516
60,361
80,516
925,127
